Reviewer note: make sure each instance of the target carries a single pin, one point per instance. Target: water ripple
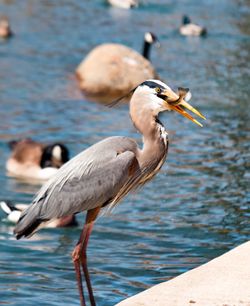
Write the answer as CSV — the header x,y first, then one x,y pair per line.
x,y
196,208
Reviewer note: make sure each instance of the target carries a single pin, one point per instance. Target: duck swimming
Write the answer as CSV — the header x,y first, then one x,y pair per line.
x,y
190,29
125,4
33,160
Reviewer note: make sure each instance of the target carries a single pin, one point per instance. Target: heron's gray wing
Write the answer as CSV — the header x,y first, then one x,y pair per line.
x,y
91,190
89,180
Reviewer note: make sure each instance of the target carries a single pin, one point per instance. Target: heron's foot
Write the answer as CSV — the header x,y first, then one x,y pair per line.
x,y
77,253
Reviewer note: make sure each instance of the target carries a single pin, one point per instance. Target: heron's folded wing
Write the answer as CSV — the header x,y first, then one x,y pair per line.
x,y
92,178
92,189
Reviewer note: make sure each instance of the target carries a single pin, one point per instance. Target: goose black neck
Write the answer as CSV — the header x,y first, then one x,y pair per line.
x,y
186,20
146,50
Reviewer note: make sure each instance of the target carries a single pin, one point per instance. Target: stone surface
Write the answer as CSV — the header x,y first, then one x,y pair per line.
x,y
113,70
224,281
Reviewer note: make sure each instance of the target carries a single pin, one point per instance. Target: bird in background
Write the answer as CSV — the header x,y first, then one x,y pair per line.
x,y
34,160
190,29
124,4
111,70
13,213
149,39
5,30
102,175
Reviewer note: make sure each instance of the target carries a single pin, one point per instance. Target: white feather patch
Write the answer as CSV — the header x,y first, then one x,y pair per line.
x,y
149,38
57,152
5,207
14,216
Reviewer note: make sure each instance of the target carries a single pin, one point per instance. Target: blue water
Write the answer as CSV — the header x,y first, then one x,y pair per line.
x,y
196,208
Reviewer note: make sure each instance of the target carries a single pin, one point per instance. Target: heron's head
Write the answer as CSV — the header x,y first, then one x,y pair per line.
x,y
156,96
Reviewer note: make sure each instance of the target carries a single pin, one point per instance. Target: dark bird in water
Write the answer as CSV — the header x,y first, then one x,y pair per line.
x,y
190,29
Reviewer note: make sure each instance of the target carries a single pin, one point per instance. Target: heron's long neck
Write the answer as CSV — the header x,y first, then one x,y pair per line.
x,y
146,50
155,139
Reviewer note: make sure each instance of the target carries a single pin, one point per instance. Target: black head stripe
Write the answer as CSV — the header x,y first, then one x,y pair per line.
x,y
121,99
152,84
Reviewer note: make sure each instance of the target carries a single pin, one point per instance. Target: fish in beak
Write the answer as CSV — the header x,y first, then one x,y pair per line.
x,y
179,103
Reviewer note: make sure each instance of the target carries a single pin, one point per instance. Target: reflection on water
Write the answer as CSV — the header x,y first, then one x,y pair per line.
x,y
195,209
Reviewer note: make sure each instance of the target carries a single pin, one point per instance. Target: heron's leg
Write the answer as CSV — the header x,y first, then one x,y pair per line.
x,y
79,282
85,266
79,255
76,260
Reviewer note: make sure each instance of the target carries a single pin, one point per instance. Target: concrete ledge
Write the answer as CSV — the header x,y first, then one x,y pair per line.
x,y
224,281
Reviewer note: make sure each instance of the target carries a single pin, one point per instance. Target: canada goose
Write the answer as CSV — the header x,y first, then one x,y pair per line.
x,y
13,212
5,30
125,4
191,29
112,70
34,160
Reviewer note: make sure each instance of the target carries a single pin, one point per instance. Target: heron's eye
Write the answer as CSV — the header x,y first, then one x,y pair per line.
x,y
157,90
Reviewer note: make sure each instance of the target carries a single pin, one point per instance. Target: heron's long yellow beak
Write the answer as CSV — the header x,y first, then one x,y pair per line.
x,y
180,109
177,103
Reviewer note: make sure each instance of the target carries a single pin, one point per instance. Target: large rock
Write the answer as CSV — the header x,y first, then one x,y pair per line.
x,y
113,70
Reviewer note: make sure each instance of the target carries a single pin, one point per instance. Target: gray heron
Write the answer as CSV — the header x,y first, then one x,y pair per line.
x,y
107,171
30,159
111,70
191,29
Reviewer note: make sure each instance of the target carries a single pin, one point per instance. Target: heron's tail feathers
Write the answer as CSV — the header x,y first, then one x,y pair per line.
x,y
27,231
29,222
